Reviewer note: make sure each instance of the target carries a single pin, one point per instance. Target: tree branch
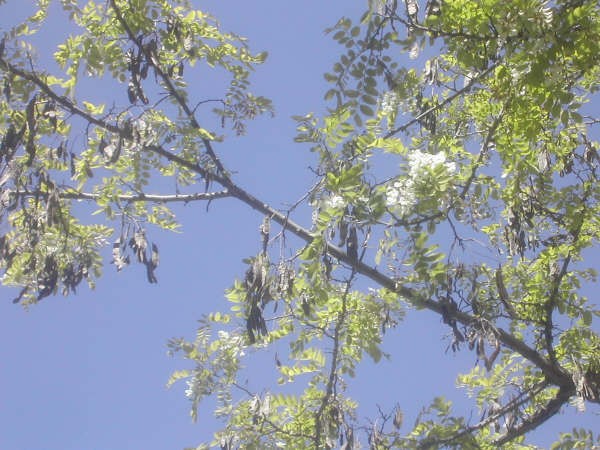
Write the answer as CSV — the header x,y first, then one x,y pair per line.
x,y
152,60
551,408
551,303
440,105
63,101
331,381
516,402
269,422
141,197
72,108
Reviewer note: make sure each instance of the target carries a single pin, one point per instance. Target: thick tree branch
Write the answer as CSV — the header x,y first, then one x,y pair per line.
x,y
72,108
492,418
554,374
551,408
63,101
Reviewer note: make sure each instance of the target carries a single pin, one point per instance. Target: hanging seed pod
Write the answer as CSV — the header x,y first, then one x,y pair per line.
x,y
154,259
131,92
343,228
7,89
352,244
264,232
398,418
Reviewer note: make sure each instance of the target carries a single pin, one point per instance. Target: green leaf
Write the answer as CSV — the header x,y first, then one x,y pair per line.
x,y
366,110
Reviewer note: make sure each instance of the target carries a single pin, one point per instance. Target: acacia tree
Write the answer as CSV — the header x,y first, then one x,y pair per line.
x,y
485,222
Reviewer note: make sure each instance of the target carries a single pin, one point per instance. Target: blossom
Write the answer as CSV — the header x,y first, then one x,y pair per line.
x,y
193,391
402,193
334,201
419,161
388,102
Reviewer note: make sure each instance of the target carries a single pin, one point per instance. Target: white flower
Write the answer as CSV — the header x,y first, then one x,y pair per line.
x,y
334,201
419,161
388,102
314,217
402,193
192,392
223,334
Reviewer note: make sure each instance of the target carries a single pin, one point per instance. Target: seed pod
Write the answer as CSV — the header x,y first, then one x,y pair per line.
x,y
131,92
343,228
142,96
154,258
352,244
502,292
7,89
144,71
264,231
489,362
480,348
398,418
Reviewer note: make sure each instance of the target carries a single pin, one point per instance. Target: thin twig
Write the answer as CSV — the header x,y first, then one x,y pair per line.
x,y
333,375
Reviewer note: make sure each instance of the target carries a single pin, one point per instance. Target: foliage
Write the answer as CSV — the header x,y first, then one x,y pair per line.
x,y
485,221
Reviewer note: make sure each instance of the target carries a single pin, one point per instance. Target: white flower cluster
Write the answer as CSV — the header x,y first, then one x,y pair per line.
x,y
193,391
388,102
419,161
231,344
402,193
326,201
334,201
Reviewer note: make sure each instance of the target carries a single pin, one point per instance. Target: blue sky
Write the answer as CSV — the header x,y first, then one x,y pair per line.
x,y
89,371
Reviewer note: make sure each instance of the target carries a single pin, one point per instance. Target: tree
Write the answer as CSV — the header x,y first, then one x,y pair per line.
x,y
485,219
